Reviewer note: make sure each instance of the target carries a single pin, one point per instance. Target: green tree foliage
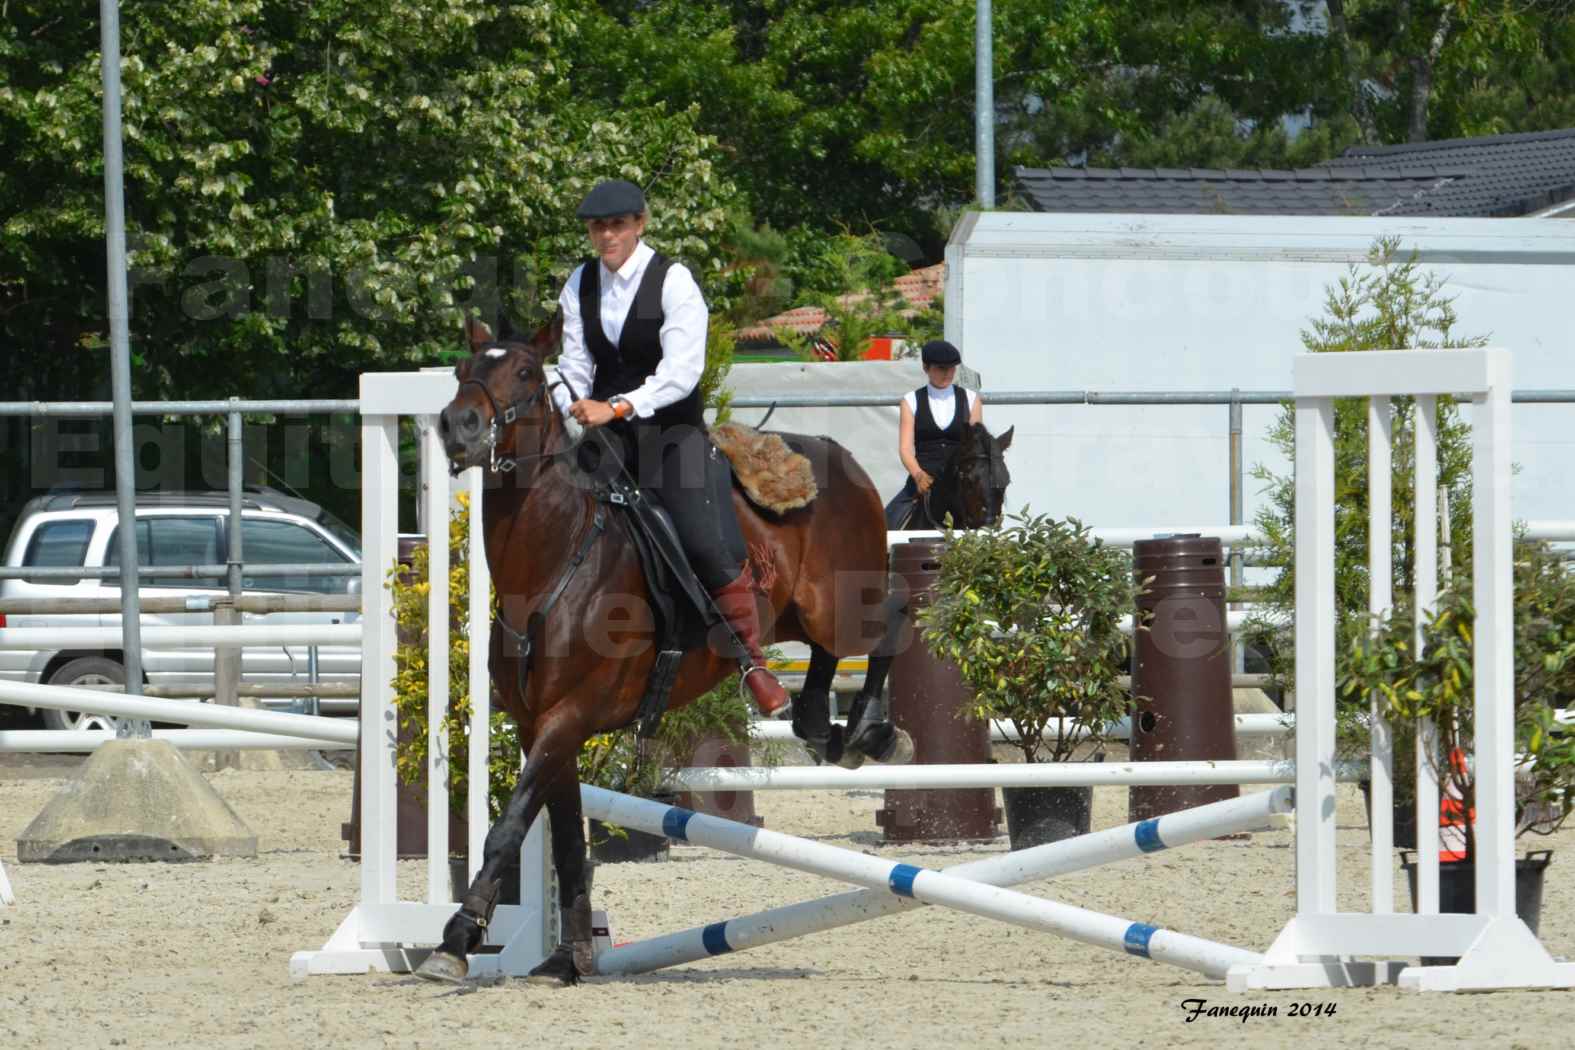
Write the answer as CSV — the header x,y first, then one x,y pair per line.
x,y
1389,304
1416,70
312,190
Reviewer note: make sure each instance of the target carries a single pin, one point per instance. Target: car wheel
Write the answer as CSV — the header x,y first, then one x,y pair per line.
x,y
87,670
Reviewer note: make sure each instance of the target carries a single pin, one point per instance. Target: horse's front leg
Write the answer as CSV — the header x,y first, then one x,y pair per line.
x,y
551,759
575,956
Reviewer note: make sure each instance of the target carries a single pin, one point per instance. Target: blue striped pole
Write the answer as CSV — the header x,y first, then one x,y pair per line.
x,y
905,881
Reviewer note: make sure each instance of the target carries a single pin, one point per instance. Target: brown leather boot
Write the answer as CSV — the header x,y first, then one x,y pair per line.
x,y
736,603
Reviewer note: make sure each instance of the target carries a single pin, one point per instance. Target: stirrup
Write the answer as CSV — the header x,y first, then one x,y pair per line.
x,y
747,695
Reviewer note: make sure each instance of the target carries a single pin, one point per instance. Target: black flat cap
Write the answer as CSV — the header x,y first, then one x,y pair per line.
x,y
610,198
939,352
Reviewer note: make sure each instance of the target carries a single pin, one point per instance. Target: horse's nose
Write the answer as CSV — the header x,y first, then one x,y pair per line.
x,y
458,428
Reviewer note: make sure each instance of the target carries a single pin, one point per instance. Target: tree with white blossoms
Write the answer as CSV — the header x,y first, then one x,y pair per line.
x,y
312,189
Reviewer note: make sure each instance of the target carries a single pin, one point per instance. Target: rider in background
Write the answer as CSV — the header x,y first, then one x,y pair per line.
x,y
634,336
934,418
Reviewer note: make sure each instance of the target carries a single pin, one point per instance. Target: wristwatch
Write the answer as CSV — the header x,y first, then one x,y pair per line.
x,y
618,403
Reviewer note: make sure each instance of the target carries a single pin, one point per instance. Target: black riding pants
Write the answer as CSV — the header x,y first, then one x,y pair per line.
x,y
902,505
694,481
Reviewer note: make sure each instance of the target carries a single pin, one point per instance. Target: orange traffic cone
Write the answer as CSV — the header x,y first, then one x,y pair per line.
x,y
1452,814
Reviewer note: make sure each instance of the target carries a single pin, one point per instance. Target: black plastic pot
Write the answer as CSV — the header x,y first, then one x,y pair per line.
x,y
624,845
1457,890
1037,815
1404,817
459,879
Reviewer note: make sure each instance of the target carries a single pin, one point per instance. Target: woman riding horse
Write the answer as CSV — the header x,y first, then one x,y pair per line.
x,y
934,418
567,571
634,333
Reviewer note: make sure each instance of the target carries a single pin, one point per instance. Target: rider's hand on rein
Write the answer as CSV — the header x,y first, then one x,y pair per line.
x,y
592,413
922,481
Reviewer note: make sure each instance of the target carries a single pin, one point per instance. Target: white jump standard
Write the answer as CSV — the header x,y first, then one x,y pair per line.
x,y
931,887
1254,812
1322,947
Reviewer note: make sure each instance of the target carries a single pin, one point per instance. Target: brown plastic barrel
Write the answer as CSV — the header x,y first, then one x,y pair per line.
x,y
928,700
1181,668
716,750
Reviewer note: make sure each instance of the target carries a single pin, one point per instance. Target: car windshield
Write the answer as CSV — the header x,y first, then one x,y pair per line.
x,y
341,532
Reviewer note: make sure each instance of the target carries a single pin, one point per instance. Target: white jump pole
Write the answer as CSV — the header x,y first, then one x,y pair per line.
x,y
1253,812
185,712
7,898
1120,729
932,887
196,636
47,741
983,775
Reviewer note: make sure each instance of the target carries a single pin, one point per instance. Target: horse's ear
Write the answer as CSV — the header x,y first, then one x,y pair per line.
x,y
1004,442
548,335
477,333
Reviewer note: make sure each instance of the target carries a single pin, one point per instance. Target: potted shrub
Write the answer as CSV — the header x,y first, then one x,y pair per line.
x,y
1438,685
1030,613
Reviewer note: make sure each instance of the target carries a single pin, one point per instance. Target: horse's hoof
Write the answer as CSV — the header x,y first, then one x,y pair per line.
x,y
900,752
851,759
443,968
817,748
882,742
556,970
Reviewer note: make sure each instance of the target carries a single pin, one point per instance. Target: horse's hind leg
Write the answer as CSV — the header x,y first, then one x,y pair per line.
x,y
574,957
866,736
812,708
552,759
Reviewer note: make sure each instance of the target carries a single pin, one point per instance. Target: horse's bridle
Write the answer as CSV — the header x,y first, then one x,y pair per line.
x,y
501,420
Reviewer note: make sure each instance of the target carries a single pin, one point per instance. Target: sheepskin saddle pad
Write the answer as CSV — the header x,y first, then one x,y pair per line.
x,y
771,474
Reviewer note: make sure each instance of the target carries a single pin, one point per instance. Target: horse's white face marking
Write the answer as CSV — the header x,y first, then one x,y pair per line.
x,y
497,351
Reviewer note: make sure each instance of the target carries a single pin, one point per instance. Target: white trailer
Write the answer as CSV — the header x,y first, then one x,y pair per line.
x,y
1118,302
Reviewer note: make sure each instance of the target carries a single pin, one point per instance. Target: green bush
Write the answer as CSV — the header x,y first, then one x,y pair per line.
x,y
1030,614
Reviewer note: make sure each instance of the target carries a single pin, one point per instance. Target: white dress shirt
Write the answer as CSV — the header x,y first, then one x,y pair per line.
x,y
943,403
683,332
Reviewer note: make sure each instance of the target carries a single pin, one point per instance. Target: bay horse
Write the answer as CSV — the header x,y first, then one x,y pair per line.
x,y
568,579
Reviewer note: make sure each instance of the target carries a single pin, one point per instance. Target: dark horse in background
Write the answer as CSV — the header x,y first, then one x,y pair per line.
x,y
553,544
971,488
968,494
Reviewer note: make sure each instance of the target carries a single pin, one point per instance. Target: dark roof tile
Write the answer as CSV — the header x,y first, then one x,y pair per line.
x,y
1490,176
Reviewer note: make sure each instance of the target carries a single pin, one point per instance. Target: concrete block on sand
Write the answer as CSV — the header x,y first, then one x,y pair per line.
x,y
135,800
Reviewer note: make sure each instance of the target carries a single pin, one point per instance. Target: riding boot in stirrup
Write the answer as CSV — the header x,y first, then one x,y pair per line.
x,y
736,603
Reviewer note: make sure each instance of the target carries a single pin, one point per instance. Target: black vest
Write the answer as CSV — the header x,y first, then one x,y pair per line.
x,y
622,368
932,446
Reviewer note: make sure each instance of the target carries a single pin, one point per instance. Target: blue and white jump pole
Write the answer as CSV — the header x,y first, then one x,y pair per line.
x,y
921,884
1255,812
